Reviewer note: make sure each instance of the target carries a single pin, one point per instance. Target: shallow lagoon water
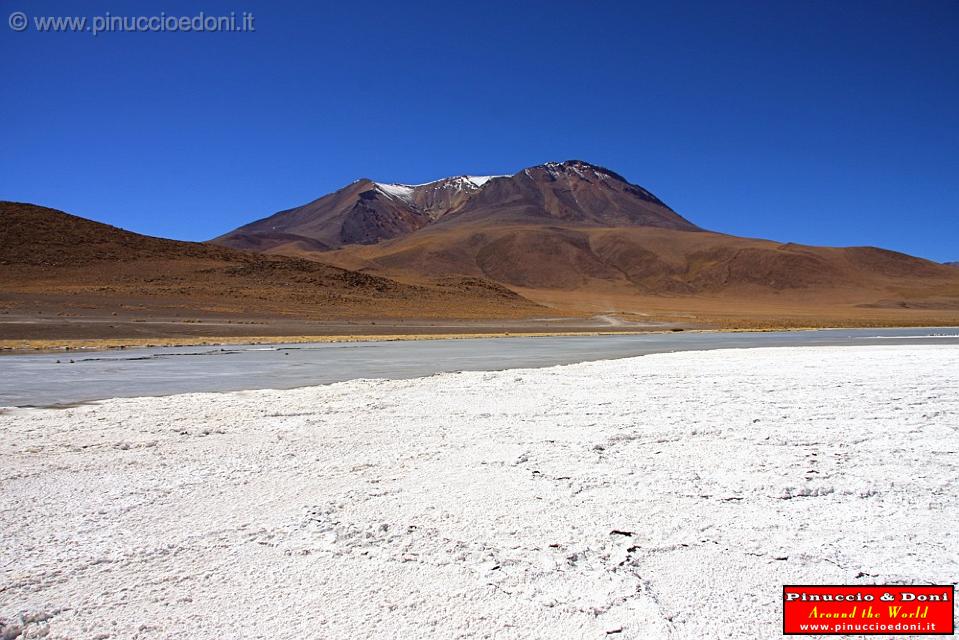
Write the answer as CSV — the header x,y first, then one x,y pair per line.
x,y
40,380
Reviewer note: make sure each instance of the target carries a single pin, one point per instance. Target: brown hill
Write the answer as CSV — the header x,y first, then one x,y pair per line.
x,y
55,263
657,262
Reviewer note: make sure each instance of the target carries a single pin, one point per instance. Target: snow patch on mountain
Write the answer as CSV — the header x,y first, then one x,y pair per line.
x,y
453,182
580,169
479,181
401,191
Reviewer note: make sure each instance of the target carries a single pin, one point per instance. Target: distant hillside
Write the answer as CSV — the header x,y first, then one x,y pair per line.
x,y
47,254
39,236
563,233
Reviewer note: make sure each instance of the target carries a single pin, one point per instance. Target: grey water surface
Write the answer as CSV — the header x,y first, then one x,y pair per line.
x,y
50,379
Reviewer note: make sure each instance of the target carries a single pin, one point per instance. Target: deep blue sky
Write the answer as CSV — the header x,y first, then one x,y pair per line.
x,y
818,122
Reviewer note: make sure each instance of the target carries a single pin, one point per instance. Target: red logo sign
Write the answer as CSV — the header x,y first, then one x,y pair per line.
x,y
868,610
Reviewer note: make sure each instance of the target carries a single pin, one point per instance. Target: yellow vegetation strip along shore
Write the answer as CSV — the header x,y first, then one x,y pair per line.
x,y
100,344
213,341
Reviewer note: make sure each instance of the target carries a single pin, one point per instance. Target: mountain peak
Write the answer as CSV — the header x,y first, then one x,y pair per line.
x,y
582,171
576,168
572,192
580,168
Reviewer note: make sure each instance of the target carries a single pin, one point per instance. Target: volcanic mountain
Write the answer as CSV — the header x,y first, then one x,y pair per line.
x,y
55,263
367,212
576,235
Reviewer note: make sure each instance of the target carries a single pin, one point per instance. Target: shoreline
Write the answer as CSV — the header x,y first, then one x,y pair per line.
x,y
15,347
247,367
9,347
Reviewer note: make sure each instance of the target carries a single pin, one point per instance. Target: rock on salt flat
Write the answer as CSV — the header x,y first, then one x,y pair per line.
x,y
667,496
